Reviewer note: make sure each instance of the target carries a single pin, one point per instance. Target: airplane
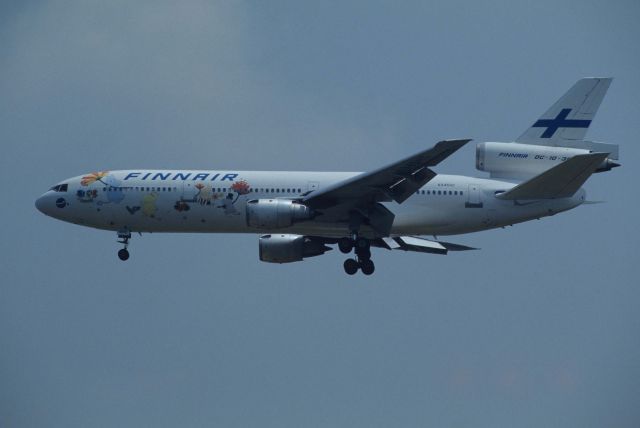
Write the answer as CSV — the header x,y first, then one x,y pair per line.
x,y
303,214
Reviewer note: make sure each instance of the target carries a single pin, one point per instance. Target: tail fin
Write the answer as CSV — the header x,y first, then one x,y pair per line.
x,y
569,118
561,181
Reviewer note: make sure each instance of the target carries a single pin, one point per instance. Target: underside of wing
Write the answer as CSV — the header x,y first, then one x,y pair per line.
x,y
421,245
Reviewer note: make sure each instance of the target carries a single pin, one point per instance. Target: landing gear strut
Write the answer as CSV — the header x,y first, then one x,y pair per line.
x,y
123,238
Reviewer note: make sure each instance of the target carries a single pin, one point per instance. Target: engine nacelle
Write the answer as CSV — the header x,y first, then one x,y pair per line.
x,y
514,160
285,248
276,213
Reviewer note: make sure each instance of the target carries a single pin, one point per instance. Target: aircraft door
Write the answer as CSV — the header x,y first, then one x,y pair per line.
x,y
182,189
188,190
474,197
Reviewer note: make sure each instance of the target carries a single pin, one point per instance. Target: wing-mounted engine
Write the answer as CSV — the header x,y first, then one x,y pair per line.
x,y
286,248
522,161
276,213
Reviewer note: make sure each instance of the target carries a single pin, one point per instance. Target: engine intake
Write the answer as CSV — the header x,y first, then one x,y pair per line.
x,y
286,248
276,213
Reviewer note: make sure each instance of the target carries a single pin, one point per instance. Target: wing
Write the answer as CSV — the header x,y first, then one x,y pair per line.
x,y
394,182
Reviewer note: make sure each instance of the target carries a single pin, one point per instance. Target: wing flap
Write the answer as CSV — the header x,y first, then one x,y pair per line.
x,y
421,245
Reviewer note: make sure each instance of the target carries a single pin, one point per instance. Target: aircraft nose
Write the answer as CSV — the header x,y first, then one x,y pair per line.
x,y
40,204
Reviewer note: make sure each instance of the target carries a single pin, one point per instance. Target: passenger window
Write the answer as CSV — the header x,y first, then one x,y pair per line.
x,y
450,192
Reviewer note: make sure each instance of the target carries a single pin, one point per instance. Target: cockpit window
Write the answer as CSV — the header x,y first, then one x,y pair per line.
x,y
60,188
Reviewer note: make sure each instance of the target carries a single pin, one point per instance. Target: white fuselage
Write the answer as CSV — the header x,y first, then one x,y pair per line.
x,y
215,201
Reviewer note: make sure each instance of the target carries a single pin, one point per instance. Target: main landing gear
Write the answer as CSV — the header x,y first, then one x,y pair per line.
x,y
362,248
123,238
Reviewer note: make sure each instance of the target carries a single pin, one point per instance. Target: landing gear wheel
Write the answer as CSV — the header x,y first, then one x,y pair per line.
x,y
123,254
350,266
345,245
367,267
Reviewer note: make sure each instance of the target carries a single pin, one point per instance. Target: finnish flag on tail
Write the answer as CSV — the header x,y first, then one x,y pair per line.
x,y
569,118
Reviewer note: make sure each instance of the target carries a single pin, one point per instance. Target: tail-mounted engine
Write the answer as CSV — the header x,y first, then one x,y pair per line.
x,y
286,248
520,161
276,213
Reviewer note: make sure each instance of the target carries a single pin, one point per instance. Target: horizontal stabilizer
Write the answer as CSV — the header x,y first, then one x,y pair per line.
x,y
561,181
421,245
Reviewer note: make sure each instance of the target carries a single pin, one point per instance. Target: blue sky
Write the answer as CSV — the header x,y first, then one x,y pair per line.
x,y
539,328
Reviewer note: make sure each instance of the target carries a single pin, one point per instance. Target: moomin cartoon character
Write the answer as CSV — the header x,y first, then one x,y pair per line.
x,y
205,194
149,205
237,189
227,205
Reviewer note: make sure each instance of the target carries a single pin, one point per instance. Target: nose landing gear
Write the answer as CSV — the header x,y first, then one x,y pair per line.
x,y
123,238
123,254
